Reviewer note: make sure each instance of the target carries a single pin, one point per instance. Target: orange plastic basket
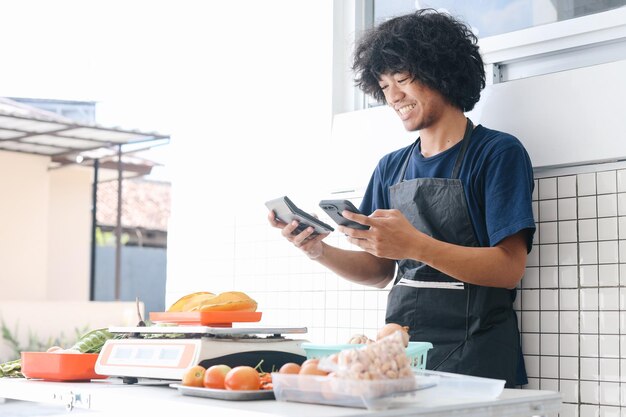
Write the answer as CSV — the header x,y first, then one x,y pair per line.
x,y
61,366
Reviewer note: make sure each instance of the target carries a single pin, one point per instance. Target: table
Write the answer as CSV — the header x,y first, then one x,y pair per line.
x,y
112,396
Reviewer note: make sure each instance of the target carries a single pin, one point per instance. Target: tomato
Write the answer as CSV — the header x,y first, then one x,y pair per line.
x,y
310,361
242,378
289,368
214,376
194,376
266,381
311,369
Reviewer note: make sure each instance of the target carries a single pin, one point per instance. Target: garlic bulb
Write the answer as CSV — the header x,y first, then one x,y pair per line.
x,y
391,328
360,339
383,359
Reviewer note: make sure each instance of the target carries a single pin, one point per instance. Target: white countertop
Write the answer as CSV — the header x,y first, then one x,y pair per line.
x,y
113,396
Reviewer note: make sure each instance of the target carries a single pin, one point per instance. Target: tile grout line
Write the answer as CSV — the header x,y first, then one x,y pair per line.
x,y
595,178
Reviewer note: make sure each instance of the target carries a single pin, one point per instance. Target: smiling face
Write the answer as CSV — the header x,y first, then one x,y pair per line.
x,y
418,106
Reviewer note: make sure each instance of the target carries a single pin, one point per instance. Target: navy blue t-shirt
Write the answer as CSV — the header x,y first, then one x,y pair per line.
x,y
497,178
496,174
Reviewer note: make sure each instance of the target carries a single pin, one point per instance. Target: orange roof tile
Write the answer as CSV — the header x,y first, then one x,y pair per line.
x,y
145,203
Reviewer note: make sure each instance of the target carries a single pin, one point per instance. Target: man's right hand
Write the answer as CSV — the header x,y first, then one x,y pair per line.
x,y
306,241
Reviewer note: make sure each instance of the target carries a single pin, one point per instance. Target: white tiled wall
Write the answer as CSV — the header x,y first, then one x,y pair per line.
x,y
571,302
293,290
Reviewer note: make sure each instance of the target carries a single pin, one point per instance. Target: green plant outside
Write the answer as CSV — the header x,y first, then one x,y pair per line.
x,y
35,343
108,238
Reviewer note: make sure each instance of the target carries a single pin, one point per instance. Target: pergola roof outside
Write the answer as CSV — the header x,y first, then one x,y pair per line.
x,y
28,129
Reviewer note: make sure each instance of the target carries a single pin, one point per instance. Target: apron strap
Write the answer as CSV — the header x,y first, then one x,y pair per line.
x,y
459,159
407,159
465,142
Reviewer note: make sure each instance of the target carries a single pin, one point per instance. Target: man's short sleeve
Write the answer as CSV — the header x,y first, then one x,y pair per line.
x,y
375,194
508,187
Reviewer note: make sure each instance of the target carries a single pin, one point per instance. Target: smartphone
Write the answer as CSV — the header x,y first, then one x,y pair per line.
x,y
286,211
334,208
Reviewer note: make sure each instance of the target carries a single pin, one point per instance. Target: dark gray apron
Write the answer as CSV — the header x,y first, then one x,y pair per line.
x,y
473,328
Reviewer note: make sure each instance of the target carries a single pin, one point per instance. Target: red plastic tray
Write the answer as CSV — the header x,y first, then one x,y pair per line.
x,y
206,318
60,366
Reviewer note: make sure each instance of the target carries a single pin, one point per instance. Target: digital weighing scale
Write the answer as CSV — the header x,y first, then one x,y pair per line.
x,y
166,352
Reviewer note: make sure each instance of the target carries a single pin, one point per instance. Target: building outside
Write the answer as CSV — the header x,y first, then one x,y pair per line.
x,y
145,213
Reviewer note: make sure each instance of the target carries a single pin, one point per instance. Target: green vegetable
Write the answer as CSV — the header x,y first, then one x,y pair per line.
x,y
11,369
90,342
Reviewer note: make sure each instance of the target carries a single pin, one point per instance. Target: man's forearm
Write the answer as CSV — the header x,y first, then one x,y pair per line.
x,y
357,266
499,266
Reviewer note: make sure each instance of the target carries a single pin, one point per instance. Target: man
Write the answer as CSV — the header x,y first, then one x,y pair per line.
x,y
450,215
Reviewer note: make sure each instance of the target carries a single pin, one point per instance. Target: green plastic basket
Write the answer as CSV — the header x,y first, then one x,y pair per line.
x,y
416,351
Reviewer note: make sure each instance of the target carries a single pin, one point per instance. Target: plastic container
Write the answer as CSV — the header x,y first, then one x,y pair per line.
x,y
463,386
450,387
416,351
373,395
53,366
427,387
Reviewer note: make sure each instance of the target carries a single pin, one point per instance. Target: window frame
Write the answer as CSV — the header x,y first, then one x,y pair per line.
x,y
559,46
574,43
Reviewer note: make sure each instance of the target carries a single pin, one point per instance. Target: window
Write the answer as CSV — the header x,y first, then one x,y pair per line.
x,y
489,18
518,38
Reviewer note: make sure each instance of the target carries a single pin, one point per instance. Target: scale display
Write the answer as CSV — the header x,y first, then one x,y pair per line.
x,y
137,353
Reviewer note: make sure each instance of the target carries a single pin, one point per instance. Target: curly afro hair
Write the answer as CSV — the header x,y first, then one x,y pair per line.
x,y
436,49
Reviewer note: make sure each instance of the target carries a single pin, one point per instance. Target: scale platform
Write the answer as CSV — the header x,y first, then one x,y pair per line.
x,y
166,352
